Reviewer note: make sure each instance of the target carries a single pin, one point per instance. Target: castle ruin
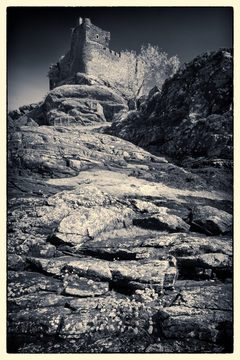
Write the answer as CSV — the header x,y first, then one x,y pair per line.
x,y
90,54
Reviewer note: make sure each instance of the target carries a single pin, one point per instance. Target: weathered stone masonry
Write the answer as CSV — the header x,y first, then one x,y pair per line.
x,y
90,54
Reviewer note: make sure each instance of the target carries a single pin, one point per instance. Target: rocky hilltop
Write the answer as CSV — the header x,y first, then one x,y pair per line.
x,y
190,118
116,248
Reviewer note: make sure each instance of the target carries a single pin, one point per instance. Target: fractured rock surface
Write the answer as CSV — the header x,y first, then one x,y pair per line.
x,y
112,248
95,250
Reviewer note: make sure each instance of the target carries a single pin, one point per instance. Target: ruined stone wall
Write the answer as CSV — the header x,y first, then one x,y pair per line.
x,y
64,66
109,65
76,52
90,54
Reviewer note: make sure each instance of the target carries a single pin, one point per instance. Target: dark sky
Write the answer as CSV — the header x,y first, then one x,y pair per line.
x,y
38,36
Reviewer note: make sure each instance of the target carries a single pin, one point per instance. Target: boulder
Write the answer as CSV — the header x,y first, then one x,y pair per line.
x,y
163,221
90,222
15,114
204,265
211,221
82,104
146,206
160,272
215,261
110,109
25,109
28,115
194,244
95,269
77,111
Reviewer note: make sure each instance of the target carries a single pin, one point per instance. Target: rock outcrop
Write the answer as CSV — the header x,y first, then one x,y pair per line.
x,y
101,242
112,248
190,117
82,104
83,100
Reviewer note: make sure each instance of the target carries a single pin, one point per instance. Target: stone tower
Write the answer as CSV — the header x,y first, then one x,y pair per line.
x,y
85,39
90,54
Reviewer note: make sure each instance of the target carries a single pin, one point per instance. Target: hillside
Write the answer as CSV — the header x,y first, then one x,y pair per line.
x,y
120,222
191,119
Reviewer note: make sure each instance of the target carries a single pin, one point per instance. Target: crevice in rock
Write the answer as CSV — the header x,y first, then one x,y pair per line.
x,y
118,255
121,287
34,268
68,306
197,273
53,239
59,328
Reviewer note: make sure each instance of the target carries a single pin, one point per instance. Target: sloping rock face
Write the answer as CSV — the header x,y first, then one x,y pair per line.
x,y
191,117
23,110
82,103
111,248
83,100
